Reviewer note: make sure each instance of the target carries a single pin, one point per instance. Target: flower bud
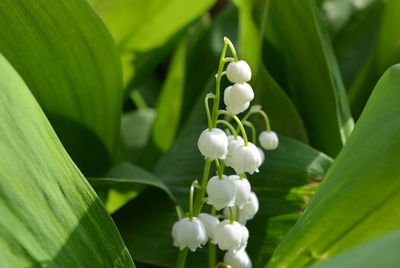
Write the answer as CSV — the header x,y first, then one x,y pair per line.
x,y
246,159
232,143
189,233
209,222
234,105
261,154
221,193
238,72
228,235
251,207
237,259
243,190
268,140
213,144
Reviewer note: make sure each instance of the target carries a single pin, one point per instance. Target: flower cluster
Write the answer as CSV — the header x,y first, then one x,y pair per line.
x,y
230,194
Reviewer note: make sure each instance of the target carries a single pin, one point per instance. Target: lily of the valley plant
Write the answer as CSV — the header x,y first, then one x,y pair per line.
x,y
229,195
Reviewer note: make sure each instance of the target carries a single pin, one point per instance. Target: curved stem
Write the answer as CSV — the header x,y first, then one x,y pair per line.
x,y
231,47
237,213
240,125
180,263
199,200
253,131
219,170
191,192
231,128
255,110
231,215
218,85
179,212
209,122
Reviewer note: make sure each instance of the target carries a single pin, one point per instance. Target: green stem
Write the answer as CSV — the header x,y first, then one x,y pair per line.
x,y
180,263
209,120
253,131
231,128
231,47
179,212
191,192
231,215
198,203
212,248
219,170
255,110
237,213
218,85
240,125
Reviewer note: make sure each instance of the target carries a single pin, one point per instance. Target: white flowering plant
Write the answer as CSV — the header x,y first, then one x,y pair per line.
x,y
137,134
230,193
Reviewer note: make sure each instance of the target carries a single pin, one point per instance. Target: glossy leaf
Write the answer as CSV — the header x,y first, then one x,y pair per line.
x,y
68,60
152,25
382,252
170,101
127,175
299,56
358,198
387,53
50,214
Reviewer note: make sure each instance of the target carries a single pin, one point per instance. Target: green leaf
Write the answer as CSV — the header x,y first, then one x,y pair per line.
x,y
382,252
136,130
355,43
50,214
127,175
151,25
68,60
359,196
169,103
299,56
387,53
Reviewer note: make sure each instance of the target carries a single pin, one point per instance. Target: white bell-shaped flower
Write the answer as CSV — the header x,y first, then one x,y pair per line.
x,y
213,144
242,218
238,72
261,154
232,143
234,105
209,222
221,192
246,159
243,190
189,233
237,259
245,237
250,209
228,235
268,140
241,93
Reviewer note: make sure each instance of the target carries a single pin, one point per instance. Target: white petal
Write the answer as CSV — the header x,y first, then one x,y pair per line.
x,y
213,144
268,140
221,193
238,72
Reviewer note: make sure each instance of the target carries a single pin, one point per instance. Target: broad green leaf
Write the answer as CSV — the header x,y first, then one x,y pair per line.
x,y
283,115
127,175
68,60
299,56
359,196
142,28
50,216
170,101
382,252
136,129
355,43
285,183
387,53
